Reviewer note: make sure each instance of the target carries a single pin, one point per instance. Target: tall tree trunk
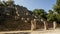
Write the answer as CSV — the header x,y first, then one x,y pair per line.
x,y
33,25
45,25
54,25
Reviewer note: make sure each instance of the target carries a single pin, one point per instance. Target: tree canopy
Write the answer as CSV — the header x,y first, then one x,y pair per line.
x,y
56,9
40,13
51,16
57,6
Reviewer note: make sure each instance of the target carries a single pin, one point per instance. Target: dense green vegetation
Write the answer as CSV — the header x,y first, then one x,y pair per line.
x,y
52,15
40,13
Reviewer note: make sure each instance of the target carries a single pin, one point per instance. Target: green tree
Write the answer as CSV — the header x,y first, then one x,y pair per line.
x,y
51,17
57,6
58,17
57,10
40,13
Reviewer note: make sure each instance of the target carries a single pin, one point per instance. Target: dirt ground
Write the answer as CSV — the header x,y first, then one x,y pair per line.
x,y
56,31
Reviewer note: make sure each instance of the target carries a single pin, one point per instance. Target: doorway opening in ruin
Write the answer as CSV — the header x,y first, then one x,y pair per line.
x,y
50,25
39,25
